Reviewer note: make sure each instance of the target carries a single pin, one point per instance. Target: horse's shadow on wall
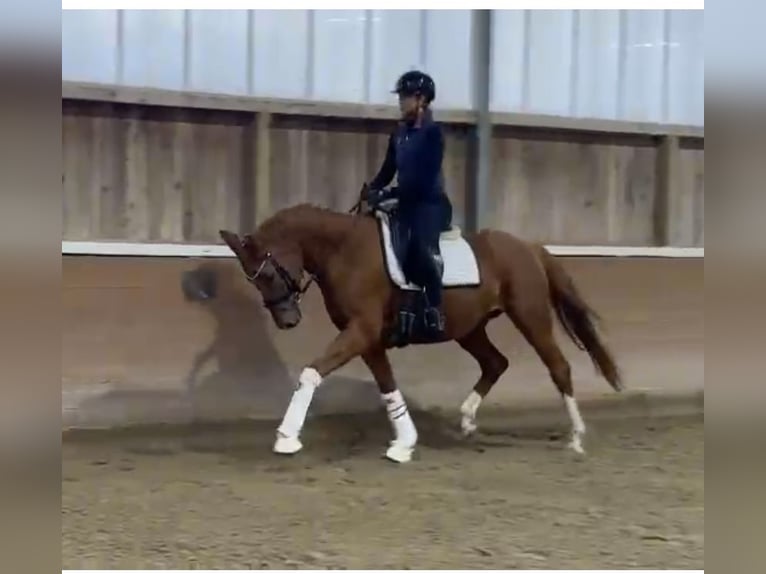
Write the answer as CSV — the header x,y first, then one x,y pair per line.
x,y
248,365
240,373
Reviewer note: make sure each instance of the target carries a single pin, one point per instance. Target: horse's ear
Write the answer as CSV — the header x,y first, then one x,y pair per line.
x,y
233,241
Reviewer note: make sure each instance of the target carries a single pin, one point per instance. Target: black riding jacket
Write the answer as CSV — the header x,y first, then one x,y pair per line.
x,y
415,153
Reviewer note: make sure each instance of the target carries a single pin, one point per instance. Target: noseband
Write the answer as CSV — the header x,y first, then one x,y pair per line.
x,y
293,290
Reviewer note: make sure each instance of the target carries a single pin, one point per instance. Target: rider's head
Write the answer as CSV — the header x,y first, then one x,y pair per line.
x,y
416,91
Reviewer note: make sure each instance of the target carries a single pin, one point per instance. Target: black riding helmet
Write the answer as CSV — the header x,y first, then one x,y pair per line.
x,y
415,82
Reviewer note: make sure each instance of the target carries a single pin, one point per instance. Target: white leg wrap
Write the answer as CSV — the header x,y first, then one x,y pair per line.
x,y
578,426
287,434
468,410
406,435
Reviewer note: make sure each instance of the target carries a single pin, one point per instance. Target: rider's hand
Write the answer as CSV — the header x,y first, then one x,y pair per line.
x,y
364,194
377,196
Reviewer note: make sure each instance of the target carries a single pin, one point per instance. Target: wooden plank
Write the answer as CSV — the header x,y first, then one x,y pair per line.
x,y
699,198
376,147
158,97
262,167
508,200
457,176
635,193
346,168
612,177
589,189
137,210
688,205
176,184
319,191
667,184
565,123
214,176
232,192
289,165
187,173
111,169
76,135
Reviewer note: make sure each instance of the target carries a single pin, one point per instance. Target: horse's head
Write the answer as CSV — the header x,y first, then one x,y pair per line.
x,y
276,269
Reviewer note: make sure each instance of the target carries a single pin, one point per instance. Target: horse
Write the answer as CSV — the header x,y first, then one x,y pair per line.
x,y
352,257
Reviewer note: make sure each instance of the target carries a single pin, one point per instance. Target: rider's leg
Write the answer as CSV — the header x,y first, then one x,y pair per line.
x,y
430,265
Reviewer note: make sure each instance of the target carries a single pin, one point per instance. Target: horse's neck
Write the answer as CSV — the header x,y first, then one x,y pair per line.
x,y
321,237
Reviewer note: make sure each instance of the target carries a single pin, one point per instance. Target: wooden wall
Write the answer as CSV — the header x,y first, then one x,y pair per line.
x,y
688,223
147,173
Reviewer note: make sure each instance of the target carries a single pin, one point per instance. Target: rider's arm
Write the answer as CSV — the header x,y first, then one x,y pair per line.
x,y
388,169
423,177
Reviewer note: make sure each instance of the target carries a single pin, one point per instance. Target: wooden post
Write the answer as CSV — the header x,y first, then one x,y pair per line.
x,y
263,167
666,187
256,188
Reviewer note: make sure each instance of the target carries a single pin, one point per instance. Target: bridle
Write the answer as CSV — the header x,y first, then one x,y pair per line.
x,y
293,289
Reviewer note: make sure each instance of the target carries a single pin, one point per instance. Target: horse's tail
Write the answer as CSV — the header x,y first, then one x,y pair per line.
x,y
577,317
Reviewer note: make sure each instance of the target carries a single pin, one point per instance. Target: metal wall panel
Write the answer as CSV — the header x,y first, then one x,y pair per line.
x,y
153,48
736,61
598,64
447,44
643,65
218,51
636,65
395,47
508,62
280,53
686,67
339,55
641,96
549,77
89,46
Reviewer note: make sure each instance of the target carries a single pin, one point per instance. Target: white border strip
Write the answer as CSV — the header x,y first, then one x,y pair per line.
x,y
186,250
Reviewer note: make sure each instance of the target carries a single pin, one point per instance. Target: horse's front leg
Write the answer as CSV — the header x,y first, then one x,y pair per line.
x,y
405,434
350,343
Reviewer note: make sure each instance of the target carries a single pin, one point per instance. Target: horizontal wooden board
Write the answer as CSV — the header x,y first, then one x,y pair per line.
x,y
176,175
187,99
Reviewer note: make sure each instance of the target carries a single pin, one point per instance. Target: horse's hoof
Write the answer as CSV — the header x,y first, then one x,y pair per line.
x,y
399,453
468,426
576,446
287,445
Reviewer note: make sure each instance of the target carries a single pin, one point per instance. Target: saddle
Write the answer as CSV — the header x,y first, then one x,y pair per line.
x,y
460,271
460,266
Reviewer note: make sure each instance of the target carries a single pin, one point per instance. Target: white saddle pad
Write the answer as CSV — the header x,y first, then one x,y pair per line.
x,y
460,266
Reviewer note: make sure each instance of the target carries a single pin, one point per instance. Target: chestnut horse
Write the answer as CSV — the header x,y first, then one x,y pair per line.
x,y
343,254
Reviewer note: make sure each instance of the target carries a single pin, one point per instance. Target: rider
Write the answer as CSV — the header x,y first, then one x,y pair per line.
x,y
415,152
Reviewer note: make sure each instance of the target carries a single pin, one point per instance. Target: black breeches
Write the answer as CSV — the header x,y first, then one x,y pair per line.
x,y
424,265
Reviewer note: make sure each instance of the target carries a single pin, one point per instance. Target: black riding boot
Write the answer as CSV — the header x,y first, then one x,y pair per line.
x,y
405,323
432,314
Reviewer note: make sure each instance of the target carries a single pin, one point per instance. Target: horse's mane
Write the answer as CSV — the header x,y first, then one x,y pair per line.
x,y
287,217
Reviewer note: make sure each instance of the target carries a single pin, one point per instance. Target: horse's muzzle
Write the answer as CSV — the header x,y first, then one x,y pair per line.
x,y
287,325
286,319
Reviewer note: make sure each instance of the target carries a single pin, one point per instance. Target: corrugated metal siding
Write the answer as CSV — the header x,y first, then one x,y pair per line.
x,y
644,65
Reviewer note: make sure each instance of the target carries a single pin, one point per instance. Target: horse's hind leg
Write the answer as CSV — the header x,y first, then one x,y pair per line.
x,y
492,363
536,324
405,434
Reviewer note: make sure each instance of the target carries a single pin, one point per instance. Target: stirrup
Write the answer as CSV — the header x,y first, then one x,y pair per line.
x,y
434,320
